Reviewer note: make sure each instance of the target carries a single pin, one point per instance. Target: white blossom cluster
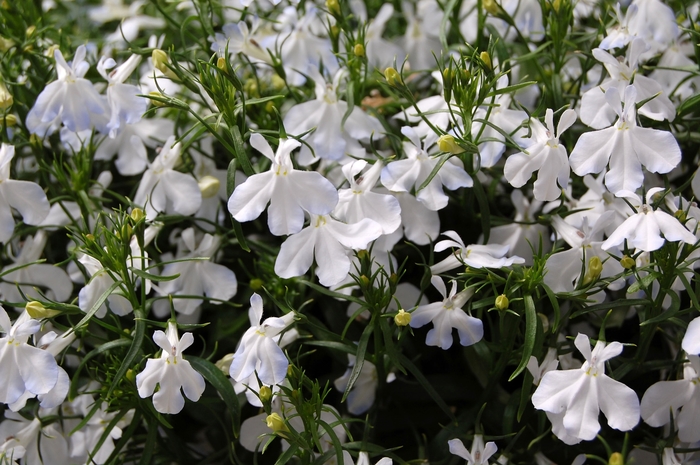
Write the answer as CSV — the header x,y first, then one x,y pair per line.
x,y
363,178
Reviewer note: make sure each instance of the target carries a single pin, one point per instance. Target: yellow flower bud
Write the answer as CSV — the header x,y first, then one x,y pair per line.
x,y
403,318
6,99
447,143
627,262
277,82
10,121
595,267
502,302
486,58
160,62
392,76
209,186
333,6
359,50
130,375
256,284
157,103
265,394
137,215
276,424
221,63
225,363
49,51
556,5
491,7
5,44
616,459
30,30
37,310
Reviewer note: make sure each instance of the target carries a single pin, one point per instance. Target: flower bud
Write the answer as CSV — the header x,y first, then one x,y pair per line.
x,y
130,375
680,215
595,267
37,310
5,97
627,262
160,62
333,7
49,52
276,424
265,394
221,63
556,5
502,302
10,121
486,58
616,459
256,284
544,320
491,7
403,318
30,30
224,364
364,281
277,82
392,76
5,44
155,102
209,186
447,143
137,215
359,50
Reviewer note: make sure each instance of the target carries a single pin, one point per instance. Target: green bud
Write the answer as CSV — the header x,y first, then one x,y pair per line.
x,y
6,99
627,262
130,375
256,284
157,103
359,50
447,143
221,63
680,215
37,310
161,61
502,302
265,394
486,58
10,120
333,6
5,44
403,318
276,424
595,267
616,459
393,78
491,7
137,215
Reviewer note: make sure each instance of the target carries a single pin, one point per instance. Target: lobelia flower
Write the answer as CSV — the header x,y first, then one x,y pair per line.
x,y
25,368
171,372
259,351
480,453
123,99
446,316
42,442
549,363
564,268
364,391
476,256
359,201
28,198
335,135
382,53
626,146
544,154
594,110
100,281
70,99
422,37
330,242
573,399
679,399
404,175
420,224
643,230
198,277
241,39
31,274
363,459
289,191
85,441
162,189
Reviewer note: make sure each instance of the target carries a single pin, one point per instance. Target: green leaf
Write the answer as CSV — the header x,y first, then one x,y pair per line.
x,y
240,152
231,177
152,277
106,347
287,455
96,306
359,358
223,385
644,283
150,445
134,351
530,335
423,381
442,160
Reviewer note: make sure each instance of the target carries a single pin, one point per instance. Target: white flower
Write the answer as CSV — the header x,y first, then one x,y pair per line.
x,y
364,391
666,398
198,277
359,201
626,146
259,350
549,363
238,38
23,367
162,189
573,399
100,281
380,52
448,315
70,99
404,175
28,198
480,453
171,372
125,104
422,37
289,191
643,230
332,138
475,255
546,155
42,443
